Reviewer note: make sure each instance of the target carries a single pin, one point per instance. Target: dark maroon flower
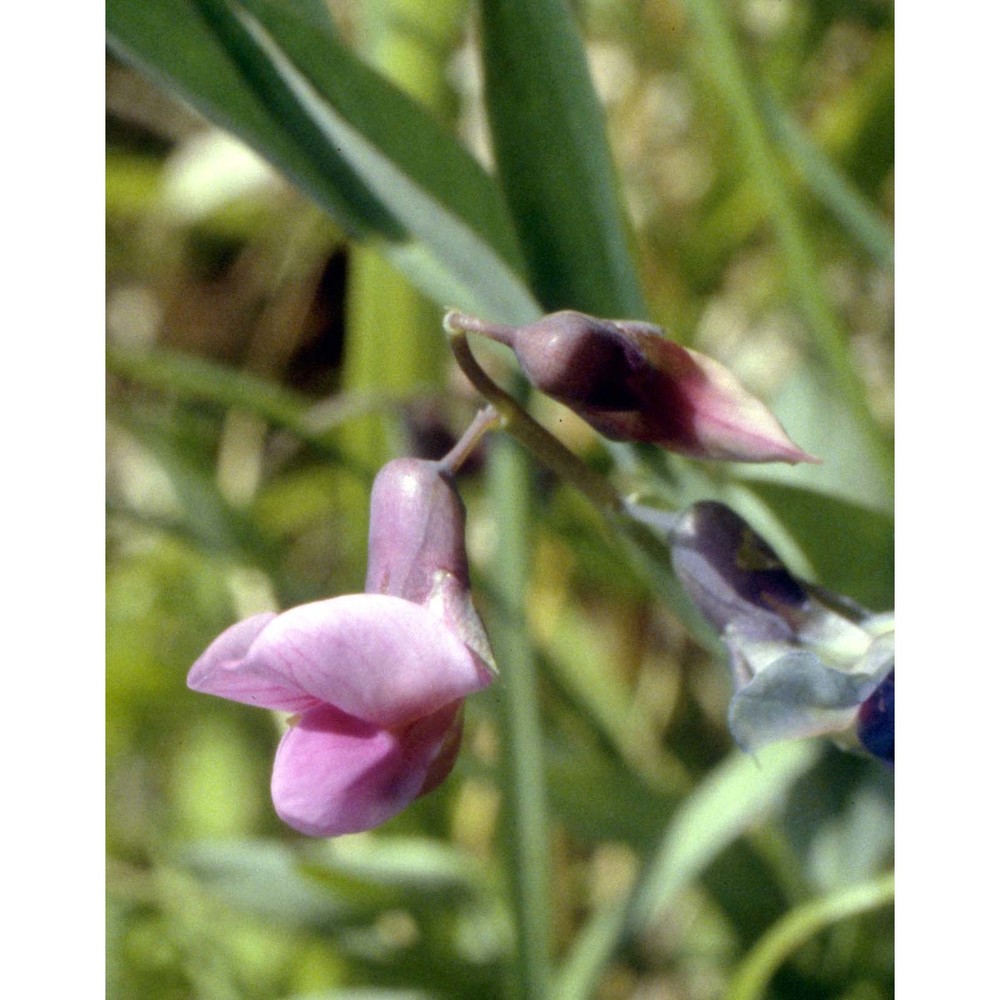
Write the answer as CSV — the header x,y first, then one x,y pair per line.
x,y
631,383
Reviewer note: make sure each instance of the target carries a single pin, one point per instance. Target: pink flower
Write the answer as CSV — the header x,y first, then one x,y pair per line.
x,y
630,383
376,680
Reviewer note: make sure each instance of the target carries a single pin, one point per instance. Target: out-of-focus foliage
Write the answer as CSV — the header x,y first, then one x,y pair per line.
x,y
266,357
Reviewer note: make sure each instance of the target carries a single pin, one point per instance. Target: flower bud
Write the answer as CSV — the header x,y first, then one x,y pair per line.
x,y
416,531
416,546
631,383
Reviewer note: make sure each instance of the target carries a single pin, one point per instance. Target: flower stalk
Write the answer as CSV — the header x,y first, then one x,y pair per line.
x,y
522,426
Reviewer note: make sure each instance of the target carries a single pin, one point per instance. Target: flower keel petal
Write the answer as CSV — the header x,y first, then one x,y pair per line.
x,y
334,774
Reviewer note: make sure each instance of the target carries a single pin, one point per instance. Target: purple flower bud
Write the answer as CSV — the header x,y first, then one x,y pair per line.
x,y
416,546
416,531
631,383
734,577
377,680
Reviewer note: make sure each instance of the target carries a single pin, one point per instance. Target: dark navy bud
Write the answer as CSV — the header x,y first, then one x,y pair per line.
x,y
877,721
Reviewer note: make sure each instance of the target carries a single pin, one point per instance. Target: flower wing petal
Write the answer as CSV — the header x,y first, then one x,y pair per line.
x,y
334,774
227,669
380,658
796,696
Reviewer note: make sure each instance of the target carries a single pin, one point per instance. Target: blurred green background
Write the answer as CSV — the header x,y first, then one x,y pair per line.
x,y
265,358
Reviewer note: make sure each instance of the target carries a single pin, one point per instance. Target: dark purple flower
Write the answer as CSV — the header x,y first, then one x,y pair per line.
x,y
631,383
804,661
877,720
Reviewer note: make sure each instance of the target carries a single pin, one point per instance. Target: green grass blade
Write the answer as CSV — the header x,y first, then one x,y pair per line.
x,y
728,802
525,815
830,185
367,153
197,379
715,42
724,806
554,160
798,926
172,43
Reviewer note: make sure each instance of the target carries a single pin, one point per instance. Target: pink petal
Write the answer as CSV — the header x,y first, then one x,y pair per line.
x,y
727,421
379,658
223,670
334,774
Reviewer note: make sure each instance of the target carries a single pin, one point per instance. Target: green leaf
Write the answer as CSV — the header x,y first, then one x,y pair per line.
x,y
554,160
739,793
423,872
362,149
264,877
338,883
849,547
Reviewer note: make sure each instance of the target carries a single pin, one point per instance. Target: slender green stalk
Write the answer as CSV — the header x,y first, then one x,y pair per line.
x,y
648,548
519,424
726,67
483,422
525,814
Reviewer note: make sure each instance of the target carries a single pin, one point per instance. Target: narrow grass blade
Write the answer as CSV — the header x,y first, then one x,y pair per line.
x,y
553,158
798,926
367,153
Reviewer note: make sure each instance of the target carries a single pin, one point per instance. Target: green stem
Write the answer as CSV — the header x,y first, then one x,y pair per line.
x,y
522,426
483,422
647,546
525,815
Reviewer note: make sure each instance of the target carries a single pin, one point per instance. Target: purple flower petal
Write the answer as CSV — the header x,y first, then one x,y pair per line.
x,y
417,531
379,658
796,696
222,670
877,720
334,774
733,576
